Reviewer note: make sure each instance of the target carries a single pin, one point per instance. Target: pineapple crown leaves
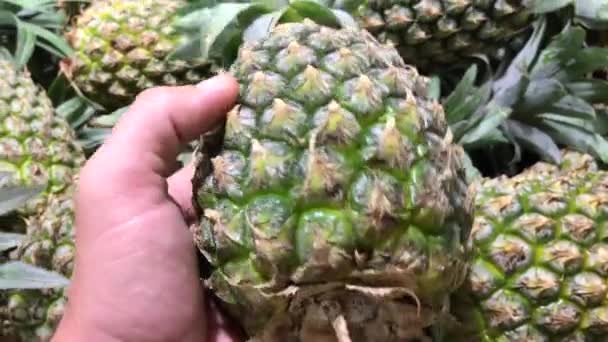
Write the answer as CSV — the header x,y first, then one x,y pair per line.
x,y
216,30
33,23
13,197
592,14
20,275
91,123
9,241
91,127
542,98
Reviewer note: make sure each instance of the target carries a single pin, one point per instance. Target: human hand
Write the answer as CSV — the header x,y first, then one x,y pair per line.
x,y
136,274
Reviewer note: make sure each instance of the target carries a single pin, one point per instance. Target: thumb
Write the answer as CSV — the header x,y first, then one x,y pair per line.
x,y
134,161
162,119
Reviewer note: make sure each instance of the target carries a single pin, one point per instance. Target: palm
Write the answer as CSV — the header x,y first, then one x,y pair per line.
x,y
135,253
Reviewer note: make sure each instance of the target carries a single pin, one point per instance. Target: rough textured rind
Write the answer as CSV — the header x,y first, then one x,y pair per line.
x,y
34,315
432,33
336,178
36,146
540,267
122,48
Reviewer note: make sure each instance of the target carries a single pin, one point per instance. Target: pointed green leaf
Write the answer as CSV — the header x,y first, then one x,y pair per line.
x,y
592,13
601,122
511,95
591,90
344,19
522,62
493,118
459,129
91,138
538,95
560,52
494,137
534,139
10,240
108,120
26,42
547,6
19,275
584,124
586,61
434,88
261,27
213,30
472,174
314,11
599,146
464,88
57,43
472,106
573,107
575,137
76,111
227,39
13,197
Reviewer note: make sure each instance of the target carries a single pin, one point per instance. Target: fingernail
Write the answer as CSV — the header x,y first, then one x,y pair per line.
x,y
217,76
202,83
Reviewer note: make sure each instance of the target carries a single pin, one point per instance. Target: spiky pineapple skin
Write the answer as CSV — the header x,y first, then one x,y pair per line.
x,y
334,192
437,33
34,315
37,148
540,257
122,47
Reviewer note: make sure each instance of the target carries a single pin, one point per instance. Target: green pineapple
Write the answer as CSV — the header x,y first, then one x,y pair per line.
x,y
433,33
335,204
33,314
123,47
36,146
540,259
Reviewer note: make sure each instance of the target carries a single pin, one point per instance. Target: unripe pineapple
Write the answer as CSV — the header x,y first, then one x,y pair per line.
x,y
540,267
34,315
433,33
336,204
122,48
36,146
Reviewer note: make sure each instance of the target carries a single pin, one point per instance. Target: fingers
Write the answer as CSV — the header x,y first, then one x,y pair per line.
x,y
219,329
161,119
180,189
127,174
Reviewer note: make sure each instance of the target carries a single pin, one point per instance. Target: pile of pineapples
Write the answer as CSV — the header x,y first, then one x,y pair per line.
x,y
393,170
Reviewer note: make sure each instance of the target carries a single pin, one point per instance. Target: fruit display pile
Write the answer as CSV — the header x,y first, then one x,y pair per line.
x,y
393,170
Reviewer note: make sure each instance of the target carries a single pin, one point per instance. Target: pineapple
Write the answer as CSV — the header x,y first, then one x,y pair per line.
x,y
34,314
333,202
123,47
436,34
540,258
433,33
36,146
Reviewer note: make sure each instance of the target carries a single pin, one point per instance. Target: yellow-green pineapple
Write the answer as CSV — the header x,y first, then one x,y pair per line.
x,y
34,314
434,33
336,203
122,47
36,146
540,257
